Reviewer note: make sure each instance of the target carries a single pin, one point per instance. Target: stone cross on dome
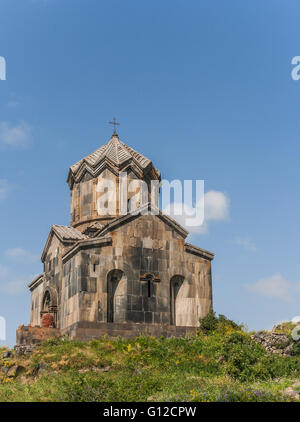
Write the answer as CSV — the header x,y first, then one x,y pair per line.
x,y
115,124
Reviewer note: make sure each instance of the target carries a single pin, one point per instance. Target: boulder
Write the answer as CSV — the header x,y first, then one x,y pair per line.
x,y
275,343
14,371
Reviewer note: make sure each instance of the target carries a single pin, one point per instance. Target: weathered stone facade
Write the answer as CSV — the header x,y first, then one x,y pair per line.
x,y
119,269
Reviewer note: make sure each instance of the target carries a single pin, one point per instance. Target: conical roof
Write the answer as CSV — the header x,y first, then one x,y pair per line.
x,y
116,152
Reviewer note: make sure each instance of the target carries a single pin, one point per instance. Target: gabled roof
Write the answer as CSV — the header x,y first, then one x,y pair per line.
x,y
114,152
67,235
124,219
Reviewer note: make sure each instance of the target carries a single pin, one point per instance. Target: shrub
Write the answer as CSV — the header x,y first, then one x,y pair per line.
x,y
211,323
296,348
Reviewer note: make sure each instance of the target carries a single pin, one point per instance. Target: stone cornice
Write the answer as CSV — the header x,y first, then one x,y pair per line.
x,y
36,282
86,244
189,248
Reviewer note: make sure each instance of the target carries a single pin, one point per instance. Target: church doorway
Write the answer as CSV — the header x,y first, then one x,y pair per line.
x,y
49,309
116,296
175,288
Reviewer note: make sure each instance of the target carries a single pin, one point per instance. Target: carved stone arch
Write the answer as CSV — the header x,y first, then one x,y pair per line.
x,y
52,293
116,296
49,307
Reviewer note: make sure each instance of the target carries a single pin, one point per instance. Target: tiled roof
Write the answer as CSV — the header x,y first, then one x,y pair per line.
x,y
115,151
68,233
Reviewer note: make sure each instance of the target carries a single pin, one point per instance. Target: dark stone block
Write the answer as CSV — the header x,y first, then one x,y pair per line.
x,y
84,270
165,318
155,265
145,264
157,318
129,302
135,316
92,285
85,258
83,284
87,199
129,286
146,305
136,303
136,288
139,244
152,304
147,252
148,317
162,265
144,286
136,262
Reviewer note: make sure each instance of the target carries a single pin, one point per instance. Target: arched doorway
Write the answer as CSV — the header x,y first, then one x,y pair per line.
x,y
175,287
49,308
116,296
46,302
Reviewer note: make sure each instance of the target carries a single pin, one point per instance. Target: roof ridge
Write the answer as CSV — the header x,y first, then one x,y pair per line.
x,y
116,150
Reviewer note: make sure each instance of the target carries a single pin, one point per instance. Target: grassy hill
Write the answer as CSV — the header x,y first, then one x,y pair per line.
x,y
220,363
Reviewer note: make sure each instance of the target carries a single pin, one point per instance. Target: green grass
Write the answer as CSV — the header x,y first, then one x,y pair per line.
x,y
219,365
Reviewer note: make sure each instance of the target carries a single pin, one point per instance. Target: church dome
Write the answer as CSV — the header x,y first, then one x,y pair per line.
x,y
116,155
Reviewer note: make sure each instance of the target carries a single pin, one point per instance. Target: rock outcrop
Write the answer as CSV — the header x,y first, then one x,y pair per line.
x,y
275,343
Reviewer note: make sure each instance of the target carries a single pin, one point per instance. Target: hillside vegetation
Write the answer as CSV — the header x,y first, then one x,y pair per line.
x,y
220,363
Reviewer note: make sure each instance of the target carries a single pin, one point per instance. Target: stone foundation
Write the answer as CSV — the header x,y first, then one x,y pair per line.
x,y
86,331
28,337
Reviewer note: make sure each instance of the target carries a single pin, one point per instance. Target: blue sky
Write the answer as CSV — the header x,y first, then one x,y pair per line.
x,y
203,88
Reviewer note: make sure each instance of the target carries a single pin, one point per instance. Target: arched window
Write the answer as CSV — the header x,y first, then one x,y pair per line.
x,y
150,279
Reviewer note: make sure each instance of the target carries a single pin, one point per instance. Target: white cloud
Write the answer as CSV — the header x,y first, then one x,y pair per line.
x,y
4,272
18,136
16,285
12,278
296,319
216,208
3,188
12,104
13,283
274,287
21,254
245,243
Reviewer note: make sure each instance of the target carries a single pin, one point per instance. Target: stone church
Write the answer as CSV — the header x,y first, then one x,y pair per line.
x,y
117,274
